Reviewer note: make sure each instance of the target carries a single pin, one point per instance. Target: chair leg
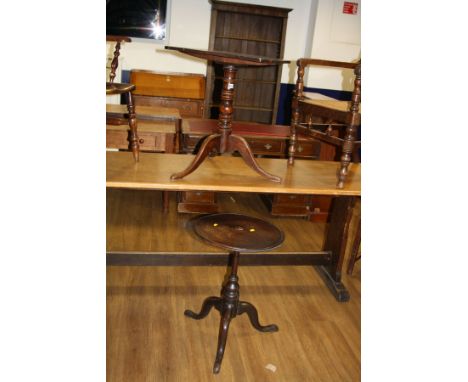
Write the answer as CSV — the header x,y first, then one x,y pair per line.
x,y
134,145
348,147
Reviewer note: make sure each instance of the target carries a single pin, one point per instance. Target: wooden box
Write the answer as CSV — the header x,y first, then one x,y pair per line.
x,y
183,91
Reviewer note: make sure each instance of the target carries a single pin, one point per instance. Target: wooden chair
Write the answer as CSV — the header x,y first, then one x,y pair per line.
x,y
113,88
335,114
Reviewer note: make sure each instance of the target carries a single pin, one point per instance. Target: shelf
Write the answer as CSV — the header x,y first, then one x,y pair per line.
x,y
248,30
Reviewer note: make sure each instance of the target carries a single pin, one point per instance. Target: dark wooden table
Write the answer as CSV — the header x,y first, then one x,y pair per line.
x,y
224,141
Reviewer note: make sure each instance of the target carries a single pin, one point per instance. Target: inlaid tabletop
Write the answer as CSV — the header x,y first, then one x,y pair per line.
x,y
228,174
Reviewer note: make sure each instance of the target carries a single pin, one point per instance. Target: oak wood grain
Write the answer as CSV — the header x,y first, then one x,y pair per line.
x,y
135,223
150,339
227,173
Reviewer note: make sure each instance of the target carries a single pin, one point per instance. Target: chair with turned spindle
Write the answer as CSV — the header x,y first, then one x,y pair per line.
x,y
114,88
334,114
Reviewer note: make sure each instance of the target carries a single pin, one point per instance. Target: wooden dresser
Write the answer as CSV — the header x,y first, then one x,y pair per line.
x,y
182,91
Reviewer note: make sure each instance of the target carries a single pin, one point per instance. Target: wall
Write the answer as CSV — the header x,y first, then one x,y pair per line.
x,y
336,36
316,28
190,27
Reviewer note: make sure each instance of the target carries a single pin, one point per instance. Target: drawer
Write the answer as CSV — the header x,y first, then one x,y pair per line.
x,y
118,139
291,199
306,149
187,108
153,142
198,196
266,146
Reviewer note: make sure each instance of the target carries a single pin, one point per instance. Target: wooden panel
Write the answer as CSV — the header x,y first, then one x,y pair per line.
x,y
187,108
198,196
177,85
292,198
288,204
197,202
146,112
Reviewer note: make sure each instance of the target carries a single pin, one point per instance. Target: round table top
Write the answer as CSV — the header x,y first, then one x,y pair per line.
x,y
237,232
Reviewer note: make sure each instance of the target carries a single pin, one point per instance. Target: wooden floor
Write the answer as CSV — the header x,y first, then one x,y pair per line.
x,y
149,338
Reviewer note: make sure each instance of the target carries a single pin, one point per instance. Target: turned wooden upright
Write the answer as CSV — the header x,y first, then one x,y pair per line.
x,y
224,141
113,88
346,113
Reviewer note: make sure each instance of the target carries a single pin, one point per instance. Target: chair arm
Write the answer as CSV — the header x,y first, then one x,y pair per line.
x,y
337,64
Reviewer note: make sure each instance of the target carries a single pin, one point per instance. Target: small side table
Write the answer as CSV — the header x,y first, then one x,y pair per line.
x,y
224,141
236,233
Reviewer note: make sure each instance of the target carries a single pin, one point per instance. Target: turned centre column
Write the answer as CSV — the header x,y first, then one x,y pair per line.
x,y
225,109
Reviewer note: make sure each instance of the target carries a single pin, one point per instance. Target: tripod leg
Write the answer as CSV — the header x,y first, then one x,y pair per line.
x,y
238,143
205,149
209,303
222,338
247,307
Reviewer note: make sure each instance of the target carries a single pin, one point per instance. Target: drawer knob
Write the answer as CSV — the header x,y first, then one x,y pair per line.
x,y
141,140
268,146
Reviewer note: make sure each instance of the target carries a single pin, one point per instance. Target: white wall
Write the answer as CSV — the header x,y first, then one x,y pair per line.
x,y
190,27
336,36
308,34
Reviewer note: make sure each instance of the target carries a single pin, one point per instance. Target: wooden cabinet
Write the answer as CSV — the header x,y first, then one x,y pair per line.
x,y
248,29
156,128
182,91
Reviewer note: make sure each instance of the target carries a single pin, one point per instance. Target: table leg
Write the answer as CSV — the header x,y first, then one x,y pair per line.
x,y
211,142
335,243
